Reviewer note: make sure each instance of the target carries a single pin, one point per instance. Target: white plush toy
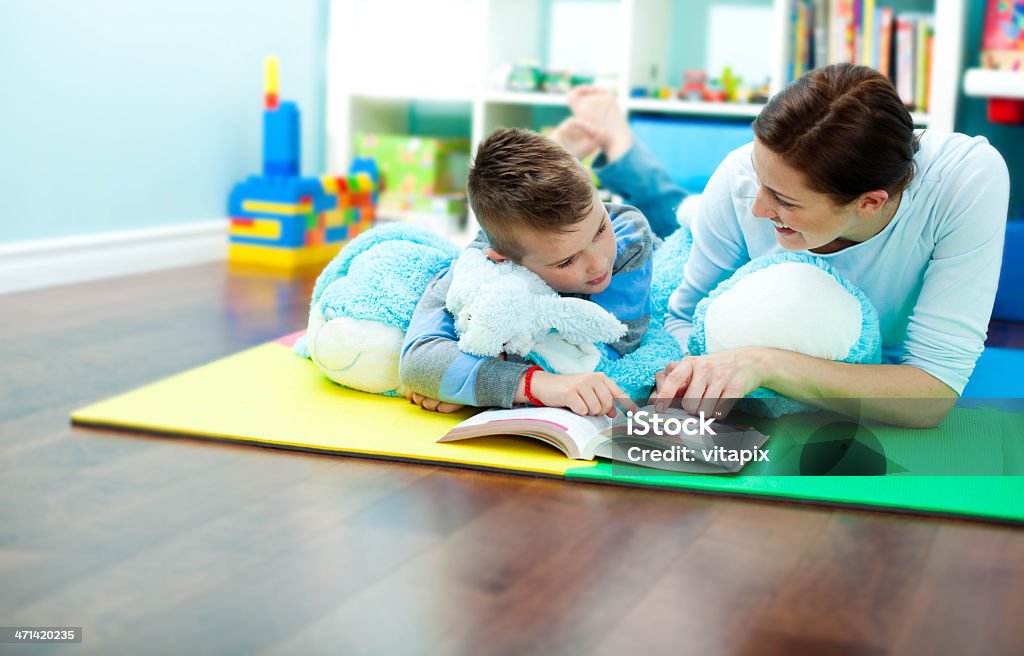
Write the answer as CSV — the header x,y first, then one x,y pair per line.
x,y
791,301
506,308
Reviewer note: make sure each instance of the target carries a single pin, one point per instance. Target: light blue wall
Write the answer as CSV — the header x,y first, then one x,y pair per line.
x,y
121,114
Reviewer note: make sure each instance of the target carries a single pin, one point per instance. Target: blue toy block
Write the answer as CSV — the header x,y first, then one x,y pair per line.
x,y
278,190
366,165
336,234
1010,295
281,140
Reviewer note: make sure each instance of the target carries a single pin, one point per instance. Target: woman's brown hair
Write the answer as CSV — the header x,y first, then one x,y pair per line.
x,y
845,128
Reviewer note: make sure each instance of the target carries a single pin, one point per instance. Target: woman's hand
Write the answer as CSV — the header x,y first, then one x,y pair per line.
x,y
711,383
433,405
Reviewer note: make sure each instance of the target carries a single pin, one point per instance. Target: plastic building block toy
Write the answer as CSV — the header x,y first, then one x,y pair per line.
x,y
714,92
694,82
525,76
284,222
730,82
557,82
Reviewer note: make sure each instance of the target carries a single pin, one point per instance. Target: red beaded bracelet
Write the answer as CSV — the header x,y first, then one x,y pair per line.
x,y
529,376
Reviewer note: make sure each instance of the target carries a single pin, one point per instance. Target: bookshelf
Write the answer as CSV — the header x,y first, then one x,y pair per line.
x,y
388,56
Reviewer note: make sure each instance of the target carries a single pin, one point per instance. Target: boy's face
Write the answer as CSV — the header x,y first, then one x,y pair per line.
x,y
577,262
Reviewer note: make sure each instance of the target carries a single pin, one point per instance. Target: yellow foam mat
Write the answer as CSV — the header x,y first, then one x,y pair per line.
x,y
268,395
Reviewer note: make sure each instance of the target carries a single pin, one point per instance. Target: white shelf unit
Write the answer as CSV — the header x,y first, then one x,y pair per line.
x,y
386,55
984,83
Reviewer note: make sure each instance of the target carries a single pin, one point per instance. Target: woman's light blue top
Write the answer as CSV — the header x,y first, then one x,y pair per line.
x,y
931,272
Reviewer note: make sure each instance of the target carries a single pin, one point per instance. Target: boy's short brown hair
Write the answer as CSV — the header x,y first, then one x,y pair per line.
x,y
523,180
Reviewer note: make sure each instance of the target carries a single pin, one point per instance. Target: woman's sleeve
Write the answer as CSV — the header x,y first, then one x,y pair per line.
x,y
645,184
719,247
947,327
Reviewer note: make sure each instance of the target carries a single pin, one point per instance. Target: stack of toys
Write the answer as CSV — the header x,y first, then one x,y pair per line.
x,y
285,222
697,87
528,76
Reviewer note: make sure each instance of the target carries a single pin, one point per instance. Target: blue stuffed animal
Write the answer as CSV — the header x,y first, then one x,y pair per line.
x,y
363,302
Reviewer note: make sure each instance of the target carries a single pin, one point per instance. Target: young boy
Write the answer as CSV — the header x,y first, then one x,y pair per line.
x,y
538,207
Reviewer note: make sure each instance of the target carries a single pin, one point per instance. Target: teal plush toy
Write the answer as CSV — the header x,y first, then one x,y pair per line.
x,y
363,301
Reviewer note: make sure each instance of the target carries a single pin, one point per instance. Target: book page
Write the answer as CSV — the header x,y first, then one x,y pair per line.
x,y
567,430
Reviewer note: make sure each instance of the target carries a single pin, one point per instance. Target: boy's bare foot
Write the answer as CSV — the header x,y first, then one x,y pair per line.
x,y
599,116
576,136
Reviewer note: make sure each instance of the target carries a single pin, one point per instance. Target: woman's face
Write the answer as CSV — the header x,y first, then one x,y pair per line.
x,y
805,219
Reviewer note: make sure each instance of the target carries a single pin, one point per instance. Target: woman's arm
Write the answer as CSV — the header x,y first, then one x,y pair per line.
x,y
897,394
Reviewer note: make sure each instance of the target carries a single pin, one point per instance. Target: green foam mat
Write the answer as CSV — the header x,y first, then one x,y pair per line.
x,y
971,465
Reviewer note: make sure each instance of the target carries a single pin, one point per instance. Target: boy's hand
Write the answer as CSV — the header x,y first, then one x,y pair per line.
x,y
584,394
433,405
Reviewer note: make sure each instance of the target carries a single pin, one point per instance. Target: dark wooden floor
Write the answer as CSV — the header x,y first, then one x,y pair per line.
x,y
158,545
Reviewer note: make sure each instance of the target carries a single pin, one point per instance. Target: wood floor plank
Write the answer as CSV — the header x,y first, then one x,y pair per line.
x,y
170,545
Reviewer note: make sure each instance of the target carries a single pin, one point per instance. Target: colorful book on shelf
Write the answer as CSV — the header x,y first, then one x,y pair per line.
x,y
922,35
867,56
799,38
861,32
1002,41
691,444
885,28
858,31
819,11
908,77
841,31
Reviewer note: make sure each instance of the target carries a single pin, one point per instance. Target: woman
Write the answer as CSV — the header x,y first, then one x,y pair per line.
x,y
915,219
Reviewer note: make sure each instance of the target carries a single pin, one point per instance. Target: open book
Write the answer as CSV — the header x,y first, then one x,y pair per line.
x,y
671,440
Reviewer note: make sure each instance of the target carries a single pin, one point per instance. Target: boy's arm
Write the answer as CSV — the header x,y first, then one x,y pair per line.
x,y
432,364
644,183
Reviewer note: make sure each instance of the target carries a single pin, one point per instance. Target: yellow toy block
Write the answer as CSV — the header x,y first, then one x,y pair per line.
x,y
283,209
334,218
270,76
330,184
284,260
256,228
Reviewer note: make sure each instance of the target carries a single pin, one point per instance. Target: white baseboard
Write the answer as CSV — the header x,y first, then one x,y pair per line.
x,y
66,260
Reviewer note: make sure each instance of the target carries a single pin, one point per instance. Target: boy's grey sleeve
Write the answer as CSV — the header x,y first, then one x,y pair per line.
x,y
432,364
